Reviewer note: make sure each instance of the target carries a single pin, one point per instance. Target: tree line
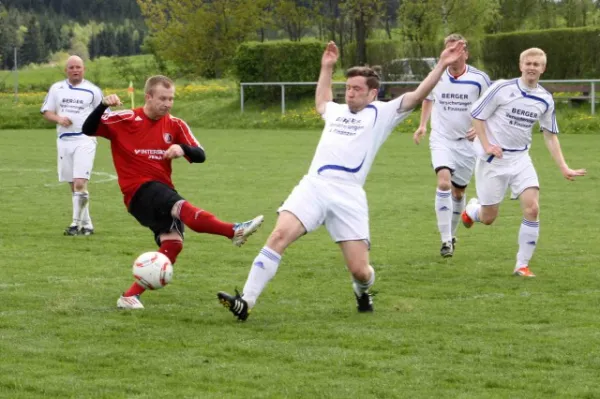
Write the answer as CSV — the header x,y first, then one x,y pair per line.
x,y
201,36
41,29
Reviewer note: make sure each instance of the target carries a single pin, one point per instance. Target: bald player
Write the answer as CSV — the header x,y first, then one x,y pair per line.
x,y
67,104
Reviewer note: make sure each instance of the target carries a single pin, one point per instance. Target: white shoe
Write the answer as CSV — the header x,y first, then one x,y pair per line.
x,y
241,231
129,302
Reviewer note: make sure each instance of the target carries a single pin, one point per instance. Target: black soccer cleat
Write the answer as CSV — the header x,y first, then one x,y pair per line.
x,y
364,303
86,231
235,304
447,250
71,231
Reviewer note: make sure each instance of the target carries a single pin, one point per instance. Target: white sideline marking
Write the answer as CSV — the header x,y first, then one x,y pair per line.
x,y
107,176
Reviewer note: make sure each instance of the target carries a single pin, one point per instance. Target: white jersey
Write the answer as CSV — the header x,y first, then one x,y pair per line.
x,y
74,102
452,100
510,109
350,140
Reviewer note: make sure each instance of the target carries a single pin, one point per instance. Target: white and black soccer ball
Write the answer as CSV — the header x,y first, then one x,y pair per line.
x,y
152,270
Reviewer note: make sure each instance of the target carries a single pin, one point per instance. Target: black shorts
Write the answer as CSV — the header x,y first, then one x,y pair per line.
x,y
151,205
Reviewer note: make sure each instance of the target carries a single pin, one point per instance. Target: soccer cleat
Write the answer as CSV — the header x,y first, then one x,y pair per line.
x,y
447,249
72,231
86,231
453,242
129,302
364,302
524,272
235,304
466,219
241,231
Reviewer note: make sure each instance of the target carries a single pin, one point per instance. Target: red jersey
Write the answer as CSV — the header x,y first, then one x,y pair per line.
x,y
138,144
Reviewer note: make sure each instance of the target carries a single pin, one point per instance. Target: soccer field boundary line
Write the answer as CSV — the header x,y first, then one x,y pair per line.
x,y
108,177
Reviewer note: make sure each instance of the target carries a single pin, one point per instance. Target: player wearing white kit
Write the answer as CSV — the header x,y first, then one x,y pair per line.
x,y
503,119
332,192
68,103
452,153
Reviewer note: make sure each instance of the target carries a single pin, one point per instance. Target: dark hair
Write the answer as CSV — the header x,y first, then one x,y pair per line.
x,y
366,72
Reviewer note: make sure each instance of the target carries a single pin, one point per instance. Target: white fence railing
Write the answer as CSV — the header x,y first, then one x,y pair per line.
x,y
591,97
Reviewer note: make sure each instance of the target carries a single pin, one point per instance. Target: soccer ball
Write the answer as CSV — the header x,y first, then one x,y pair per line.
x,y
152,270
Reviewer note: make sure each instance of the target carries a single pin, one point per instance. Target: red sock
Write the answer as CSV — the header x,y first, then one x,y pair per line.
x,y
171,248
135,289
203,221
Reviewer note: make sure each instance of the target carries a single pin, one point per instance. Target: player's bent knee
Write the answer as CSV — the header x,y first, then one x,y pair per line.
x,y
532,211
360,272
279,239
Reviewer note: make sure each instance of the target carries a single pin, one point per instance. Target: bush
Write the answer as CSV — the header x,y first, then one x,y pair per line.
x,y
278,62
573,53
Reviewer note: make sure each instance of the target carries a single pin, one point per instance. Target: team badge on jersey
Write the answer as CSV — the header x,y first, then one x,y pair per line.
x,y
168,138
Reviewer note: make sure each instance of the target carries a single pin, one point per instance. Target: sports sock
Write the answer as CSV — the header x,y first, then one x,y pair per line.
x,y
528,237
171,248
79,201
135,289
263,269
202,221
473,212
458,205
84,205
360,287
443,212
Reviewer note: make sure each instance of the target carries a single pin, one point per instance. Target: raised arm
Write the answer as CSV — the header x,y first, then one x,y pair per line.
x,y
553,146
324,93
90,126
448,56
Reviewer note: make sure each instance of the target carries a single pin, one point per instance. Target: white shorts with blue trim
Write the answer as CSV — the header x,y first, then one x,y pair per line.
x,y
340,206
75,158
495,177
457,155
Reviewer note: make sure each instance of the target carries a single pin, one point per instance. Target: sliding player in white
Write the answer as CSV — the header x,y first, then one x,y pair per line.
x,y
503,119
452,153
332,192
68,103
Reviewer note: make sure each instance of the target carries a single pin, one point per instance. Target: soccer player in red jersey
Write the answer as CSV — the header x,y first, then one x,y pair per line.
x,y
144,141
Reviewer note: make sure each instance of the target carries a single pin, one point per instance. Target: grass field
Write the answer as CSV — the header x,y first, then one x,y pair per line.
x,y
457,328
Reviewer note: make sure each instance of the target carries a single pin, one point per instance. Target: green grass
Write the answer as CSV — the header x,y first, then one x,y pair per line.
x,y
457,328
103,71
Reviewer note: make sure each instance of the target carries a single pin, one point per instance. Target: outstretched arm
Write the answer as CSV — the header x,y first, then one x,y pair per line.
x,y
553,146
324,94
448,56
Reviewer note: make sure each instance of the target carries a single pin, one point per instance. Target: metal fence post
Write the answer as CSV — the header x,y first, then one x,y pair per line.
x,y
242,97
282,99
593,98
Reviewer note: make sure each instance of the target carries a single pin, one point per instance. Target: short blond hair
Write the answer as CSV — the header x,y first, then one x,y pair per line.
x,y
533,52
454,37
156,80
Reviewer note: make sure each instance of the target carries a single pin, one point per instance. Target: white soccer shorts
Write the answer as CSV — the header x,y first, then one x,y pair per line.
x,y
458,155
493,179
341,207
75,159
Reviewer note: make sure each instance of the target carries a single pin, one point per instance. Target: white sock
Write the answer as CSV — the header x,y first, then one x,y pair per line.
x,y
473,211
528,237
86,220
457,207
443,212
263,270
360,287
79,202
